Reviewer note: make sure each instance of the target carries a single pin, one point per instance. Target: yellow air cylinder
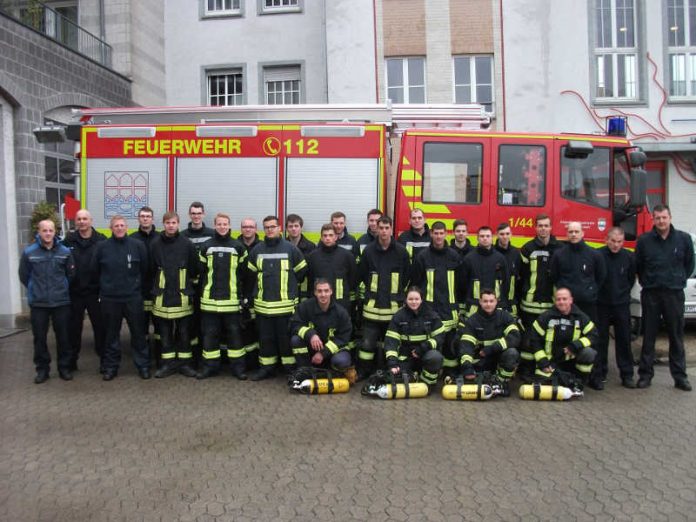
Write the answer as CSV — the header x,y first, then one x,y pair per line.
x,y
546,392
415,390
324,386
467,392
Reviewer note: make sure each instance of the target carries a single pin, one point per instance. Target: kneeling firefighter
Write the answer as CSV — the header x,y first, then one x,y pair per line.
x,y
562,339
320,332
488,341
414,338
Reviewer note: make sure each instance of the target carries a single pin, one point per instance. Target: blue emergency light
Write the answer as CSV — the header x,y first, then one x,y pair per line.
x,y
616,126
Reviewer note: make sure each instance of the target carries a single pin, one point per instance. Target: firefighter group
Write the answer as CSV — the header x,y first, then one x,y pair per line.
x,y
388,311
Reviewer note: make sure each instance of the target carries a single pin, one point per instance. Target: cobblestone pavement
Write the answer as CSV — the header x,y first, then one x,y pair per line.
x,y
181,449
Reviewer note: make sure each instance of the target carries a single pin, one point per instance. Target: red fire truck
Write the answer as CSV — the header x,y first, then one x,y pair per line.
x,y
313,160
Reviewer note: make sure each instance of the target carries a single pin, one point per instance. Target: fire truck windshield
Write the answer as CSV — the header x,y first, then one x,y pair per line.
x,y
586,180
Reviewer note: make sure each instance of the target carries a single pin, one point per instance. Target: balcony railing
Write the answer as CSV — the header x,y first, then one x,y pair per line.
x,y
57,27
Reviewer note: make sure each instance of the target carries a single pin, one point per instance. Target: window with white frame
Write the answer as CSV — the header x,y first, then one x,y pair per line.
x,y
271,6
222,7
282,85
406,80
681,42
473,80
59,165
226,88
616,50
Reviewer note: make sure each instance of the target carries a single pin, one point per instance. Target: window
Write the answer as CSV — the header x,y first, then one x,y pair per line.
x,y
58,170
681,41
473,80
226,88
452,172
616,50
282,85
221,7
279,6
586,179
406,80
521,175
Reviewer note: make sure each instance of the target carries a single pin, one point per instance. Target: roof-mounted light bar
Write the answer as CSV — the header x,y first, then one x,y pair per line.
x,y
126,132
247,131
332,131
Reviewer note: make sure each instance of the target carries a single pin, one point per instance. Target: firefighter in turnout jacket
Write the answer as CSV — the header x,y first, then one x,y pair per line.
x,y
563,338
414,338
320,330
384,269
250,335
514,261
222,276
336,265
417,238
276,267
174,266
434,271
484,267
489,340
536,293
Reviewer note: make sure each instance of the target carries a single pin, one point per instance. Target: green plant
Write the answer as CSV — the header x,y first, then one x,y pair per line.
x,y
43,210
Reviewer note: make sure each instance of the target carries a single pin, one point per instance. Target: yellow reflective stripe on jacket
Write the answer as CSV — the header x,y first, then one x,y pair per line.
x,y
304,330
284,267
339,289
429,284
395,283
451,286
477,289
374,283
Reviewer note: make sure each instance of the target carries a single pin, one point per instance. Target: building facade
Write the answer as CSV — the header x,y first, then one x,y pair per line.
x,y
569,65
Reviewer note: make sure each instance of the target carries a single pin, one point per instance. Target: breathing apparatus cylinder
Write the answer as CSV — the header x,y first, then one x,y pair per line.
x,y
467,392
546,392
412,390
323,386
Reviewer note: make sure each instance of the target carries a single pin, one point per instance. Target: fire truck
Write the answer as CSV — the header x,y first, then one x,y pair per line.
x,y
312,160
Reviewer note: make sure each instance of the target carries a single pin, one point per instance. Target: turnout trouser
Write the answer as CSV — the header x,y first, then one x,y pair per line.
x,y
222,328
173,333
274,341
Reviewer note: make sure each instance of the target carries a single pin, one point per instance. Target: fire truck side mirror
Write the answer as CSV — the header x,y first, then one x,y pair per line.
x,y
578,149
73,131
637,158
638,187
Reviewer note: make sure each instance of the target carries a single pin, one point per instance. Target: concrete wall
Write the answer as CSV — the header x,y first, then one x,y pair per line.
x,y
547,68
38,77
350,52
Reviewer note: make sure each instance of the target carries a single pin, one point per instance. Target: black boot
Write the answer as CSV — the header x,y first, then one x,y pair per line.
x,y
262,373
187,370
168,368
239,371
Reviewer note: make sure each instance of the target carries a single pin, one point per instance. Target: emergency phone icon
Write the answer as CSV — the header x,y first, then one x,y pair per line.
x,y
271,146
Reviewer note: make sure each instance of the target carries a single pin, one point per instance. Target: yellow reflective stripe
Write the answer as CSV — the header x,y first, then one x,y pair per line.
x,y
332,346
590,325
505,374
429,284
511,328
477,289
290,359
374,283
539,355
511,292
550,335
450,287
584,368
213,354
395,283
526,355
259,286
469,338
529,298
235,353
428,377
497,289
304,330
209,284
268,361
391,353
415,338
168,355
503,343
393,335
251,347
284,267
300,350
339,289
538,328
299,266
438,331
366,356
450,363
185,355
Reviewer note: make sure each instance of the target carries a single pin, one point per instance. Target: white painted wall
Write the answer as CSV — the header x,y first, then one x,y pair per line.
x,y
350,51
9,256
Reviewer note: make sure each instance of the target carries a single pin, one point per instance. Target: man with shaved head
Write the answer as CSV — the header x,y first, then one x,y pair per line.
x,y
580,268
84,290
